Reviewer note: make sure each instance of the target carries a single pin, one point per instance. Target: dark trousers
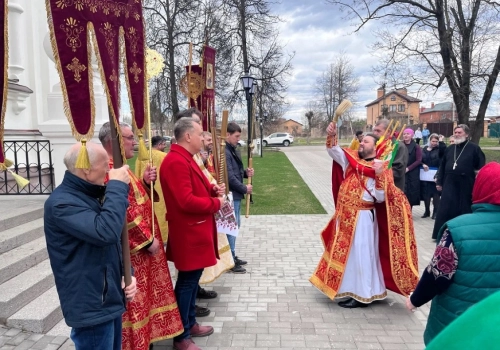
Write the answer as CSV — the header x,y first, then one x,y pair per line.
x,y
186,290
104,336
436,198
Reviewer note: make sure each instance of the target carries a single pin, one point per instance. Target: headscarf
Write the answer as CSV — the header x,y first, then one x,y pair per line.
x,y
409,131
487,188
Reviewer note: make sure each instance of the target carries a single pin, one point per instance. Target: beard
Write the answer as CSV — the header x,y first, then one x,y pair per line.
x,y
459,140
364,153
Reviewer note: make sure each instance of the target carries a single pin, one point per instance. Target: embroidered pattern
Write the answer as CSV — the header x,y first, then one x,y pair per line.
x,y
445,260
77,68
135,70
73,31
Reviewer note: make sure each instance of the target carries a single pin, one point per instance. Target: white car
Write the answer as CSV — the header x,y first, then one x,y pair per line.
x,y
278,138
241,143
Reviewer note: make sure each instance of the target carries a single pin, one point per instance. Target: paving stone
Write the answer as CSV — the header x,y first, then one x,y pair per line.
x,y
273,305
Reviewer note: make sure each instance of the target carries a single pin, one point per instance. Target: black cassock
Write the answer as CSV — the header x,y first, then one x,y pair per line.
x,y
456,175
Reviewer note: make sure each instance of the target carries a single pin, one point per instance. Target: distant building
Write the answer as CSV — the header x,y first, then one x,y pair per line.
x,y
438,113
292,127
399,106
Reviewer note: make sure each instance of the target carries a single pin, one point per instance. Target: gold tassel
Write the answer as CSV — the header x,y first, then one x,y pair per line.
x,y
6,164
21,181
143,151
83,162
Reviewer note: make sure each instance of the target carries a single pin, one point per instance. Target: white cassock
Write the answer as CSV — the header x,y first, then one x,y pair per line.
x,y
363,279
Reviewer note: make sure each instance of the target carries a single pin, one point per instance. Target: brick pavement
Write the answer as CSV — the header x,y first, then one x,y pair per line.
x,y
274,306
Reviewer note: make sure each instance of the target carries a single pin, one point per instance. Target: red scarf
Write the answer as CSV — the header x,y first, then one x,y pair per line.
x,y
486,188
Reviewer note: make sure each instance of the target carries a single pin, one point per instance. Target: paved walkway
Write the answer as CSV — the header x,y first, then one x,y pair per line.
x,y
274,306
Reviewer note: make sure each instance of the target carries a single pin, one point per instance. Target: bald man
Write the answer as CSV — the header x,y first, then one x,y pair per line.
x,y
83,222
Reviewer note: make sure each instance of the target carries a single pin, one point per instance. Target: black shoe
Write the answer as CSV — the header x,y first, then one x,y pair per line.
x,y
202,311
351,304
433,216
206,294
238,269
426,215
237,261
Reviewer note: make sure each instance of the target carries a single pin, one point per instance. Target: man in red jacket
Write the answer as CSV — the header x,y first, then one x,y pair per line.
x,y
191,203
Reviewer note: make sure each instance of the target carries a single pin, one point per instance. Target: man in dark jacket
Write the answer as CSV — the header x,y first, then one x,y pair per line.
x,y
83,222
235,173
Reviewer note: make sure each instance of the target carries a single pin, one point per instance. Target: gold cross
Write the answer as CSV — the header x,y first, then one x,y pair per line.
x,y
76,67
135,71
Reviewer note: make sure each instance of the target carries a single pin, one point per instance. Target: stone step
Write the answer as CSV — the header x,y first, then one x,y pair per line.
x,y
20,259
39,316
61,329
14,215
18,235
22,289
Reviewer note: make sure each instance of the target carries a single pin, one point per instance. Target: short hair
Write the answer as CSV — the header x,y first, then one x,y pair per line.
x,y
359,132
434,136
464,127
156,140
383,122
72,155
232,128
206,133
105,132
452,137
188,113
182,126
372,135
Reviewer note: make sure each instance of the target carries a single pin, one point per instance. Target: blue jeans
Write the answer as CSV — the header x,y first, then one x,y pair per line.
x,y
232,239
104,336
186,290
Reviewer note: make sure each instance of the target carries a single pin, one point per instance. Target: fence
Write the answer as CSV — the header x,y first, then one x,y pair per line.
x,y
33,161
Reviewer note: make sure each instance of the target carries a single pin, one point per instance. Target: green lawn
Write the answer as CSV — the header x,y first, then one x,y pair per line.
x,y
492,155
279,189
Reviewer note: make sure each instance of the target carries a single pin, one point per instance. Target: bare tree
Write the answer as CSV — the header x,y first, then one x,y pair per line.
x,y
170,27
335,84
439,40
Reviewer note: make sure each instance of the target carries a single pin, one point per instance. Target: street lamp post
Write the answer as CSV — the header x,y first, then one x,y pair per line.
x,y
248,84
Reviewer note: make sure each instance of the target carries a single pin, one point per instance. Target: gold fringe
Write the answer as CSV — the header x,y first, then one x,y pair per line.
x,y
21,181
83,162
143,151
66,107
6,163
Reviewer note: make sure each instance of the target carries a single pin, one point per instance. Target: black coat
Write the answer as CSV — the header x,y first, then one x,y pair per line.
x,y
412,177
235,173
432,159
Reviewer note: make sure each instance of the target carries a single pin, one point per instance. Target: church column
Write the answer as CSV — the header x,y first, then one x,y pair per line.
x,y
17,40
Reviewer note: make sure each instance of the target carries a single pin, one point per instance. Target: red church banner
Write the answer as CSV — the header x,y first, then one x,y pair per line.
x,y
115,29
206,101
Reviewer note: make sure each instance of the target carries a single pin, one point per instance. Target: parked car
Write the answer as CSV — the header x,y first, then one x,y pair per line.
x,y
241,143
278,138
167,138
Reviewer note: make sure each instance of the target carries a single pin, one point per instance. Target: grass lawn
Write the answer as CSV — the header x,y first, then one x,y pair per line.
x,y
278,188
492,155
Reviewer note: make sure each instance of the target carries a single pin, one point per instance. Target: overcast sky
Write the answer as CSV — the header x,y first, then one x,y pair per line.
x,y
316,32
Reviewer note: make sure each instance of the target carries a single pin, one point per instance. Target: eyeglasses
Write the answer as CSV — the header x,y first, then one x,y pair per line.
x,y
130,138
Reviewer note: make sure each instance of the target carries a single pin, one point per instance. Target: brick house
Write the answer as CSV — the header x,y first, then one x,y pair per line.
x,y
292,127
437,113
400,107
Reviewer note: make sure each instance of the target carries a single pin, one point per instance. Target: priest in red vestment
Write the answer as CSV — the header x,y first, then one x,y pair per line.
x,y
369,243
153,314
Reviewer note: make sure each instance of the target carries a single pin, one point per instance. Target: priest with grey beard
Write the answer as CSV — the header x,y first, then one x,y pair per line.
x,y
456,176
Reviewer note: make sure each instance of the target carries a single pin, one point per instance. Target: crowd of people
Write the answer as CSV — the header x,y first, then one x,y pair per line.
x,y
84,218
369,243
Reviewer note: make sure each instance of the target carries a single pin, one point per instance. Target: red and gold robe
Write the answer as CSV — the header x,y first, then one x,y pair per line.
x,y
397,245
153,314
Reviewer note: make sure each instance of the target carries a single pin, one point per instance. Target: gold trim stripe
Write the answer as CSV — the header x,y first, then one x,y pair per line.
x,y
153,312
361,299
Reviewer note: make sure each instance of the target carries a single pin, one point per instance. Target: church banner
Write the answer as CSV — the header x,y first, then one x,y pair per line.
x,y
205,102
115,30
4,61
